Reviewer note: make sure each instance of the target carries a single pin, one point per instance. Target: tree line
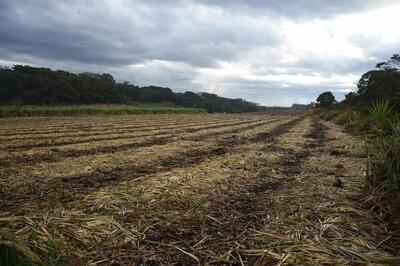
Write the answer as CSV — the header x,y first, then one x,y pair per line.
x,y
27,85
381,83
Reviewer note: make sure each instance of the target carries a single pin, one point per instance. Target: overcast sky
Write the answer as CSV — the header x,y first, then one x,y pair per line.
x,y
266,51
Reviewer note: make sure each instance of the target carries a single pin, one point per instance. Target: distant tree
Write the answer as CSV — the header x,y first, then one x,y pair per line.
x,y
326,99
297,106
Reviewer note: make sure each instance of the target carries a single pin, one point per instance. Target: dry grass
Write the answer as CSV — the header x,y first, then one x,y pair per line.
x,y
259,196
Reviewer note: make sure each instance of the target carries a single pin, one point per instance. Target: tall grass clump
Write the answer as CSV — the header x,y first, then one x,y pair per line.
x,y
383,164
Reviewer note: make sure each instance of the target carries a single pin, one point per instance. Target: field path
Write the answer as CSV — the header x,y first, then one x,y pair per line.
x,y
239,189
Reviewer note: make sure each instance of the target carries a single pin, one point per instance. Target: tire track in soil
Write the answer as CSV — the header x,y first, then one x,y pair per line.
x,y
91,122
291,165
236,210
246,205
104,130
243,208
99,126
188,158
80,185
163,130
57,155
73,127
103,123
291,162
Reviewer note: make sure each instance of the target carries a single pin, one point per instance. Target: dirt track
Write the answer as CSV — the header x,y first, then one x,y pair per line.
x,y
190,189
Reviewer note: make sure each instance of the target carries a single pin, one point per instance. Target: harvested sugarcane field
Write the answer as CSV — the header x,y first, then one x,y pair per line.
x,y
209,189
197,132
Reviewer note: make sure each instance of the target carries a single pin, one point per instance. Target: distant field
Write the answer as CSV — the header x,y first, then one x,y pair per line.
x,y
117,109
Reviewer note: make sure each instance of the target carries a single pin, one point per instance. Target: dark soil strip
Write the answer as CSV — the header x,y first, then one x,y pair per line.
x,y
110,176
57,155
290,163
74,128
104,129
237,209
181,160
50,143
66,127
242,207
317,135
244,202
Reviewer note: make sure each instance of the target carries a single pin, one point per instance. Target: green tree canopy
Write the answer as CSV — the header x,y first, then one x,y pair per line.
x,y
382,83
32,85
326,99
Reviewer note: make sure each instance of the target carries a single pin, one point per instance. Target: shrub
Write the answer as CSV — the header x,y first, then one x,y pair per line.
x,y
347,117
383,164
361,124
329,114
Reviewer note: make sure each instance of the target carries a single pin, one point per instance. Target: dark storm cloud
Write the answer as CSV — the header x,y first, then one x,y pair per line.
x,y
58,32
236,48
92,34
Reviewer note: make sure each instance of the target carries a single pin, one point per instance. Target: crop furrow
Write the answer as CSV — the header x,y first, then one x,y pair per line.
x,y
111,175
58,155
102,128
76,123
163,130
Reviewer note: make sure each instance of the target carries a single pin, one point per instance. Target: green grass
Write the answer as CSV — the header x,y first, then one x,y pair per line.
x,y
16,111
